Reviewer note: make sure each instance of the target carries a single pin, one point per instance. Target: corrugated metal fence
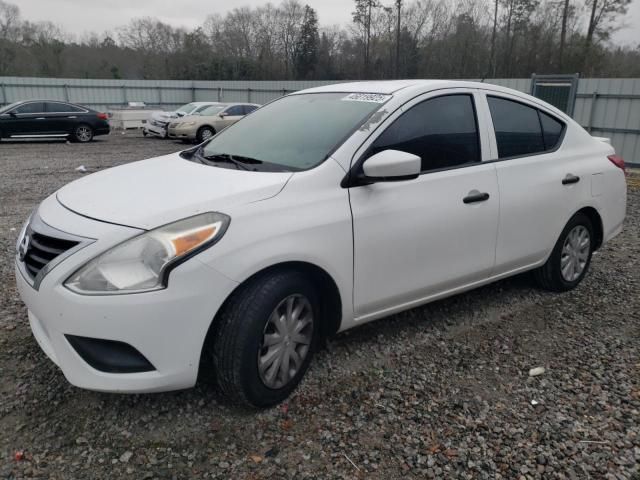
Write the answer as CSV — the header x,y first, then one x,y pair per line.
x,y
606,107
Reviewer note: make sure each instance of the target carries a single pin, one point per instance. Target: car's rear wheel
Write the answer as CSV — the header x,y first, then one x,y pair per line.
x,y
204,134
264,338
571,256
83,133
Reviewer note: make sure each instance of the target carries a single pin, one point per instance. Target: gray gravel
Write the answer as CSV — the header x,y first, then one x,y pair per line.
x,y
441,391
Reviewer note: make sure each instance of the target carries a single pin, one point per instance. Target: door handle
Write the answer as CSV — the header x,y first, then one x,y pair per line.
x,y
570,178
40,118
475,196
73,116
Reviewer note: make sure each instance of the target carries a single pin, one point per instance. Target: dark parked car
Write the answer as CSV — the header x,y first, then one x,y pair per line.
x,y
47,118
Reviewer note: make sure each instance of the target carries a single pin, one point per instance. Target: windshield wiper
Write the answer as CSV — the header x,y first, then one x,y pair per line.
x,y
238,160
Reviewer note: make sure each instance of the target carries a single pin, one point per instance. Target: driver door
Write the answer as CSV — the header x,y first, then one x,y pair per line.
x,y
231,115
417,239
27,119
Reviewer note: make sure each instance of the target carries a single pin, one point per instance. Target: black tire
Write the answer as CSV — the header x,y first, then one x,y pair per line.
x,y
82,133
236,339
201,133
550,276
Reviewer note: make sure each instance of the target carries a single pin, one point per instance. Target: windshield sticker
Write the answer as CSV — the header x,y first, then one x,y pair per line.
x,y
366,97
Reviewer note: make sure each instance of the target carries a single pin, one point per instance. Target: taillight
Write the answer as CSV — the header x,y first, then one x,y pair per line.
x,y
103,116
618,161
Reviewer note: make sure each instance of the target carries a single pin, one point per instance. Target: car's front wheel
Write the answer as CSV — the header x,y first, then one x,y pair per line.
x,y
265,338
204,133
571,256
83,133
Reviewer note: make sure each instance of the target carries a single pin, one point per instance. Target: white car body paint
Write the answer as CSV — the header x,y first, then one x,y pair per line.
x,y
387,246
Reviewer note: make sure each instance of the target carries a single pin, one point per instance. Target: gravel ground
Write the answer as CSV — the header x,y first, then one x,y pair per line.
x,y
441,391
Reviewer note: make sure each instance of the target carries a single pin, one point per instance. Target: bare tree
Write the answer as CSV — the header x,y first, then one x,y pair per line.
x,y
601,18
413,38
362,16
399,18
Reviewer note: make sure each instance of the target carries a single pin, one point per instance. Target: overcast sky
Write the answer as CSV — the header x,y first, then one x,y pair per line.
x,y
77,16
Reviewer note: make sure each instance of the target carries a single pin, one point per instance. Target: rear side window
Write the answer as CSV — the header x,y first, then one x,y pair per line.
x,y
32,107
521,129
517,128
54,107
551,130
249,108
442,131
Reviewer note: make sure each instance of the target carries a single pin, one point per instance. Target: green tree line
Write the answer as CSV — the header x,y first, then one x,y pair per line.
x,y
399,38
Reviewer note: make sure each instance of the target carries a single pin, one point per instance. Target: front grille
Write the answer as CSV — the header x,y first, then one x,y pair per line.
x,y
42,249
157,123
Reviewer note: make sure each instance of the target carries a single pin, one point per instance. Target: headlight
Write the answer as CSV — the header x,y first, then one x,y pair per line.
x,y
141,264
23,231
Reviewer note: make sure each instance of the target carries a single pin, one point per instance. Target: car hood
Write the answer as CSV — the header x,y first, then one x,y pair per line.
x,y
163,116
154,192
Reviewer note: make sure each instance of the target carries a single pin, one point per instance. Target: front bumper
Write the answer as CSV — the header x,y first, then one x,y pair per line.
x,y
155,130
167,327
182,133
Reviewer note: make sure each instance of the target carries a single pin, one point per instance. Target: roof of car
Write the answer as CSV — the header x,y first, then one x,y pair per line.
x,y
228,104
391,86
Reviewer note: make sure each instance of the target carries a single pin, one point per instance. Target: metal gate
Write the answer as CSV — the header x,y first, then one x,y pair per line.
x,y
558,90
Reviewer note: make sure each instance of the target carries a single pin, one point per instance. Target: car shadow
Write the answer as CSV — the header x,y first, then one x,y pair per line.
x,y
450,312
46,141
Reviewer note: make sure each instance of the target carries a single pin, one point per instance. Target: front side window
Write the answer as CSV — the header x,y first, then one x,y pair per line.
x,y
296,132
442,131
32,107
55,107
235,111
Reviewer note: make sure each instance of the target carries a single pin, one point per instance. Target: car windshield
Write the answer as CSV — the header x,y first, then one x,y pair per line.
x,y
9,107
210,111
186,108
296,132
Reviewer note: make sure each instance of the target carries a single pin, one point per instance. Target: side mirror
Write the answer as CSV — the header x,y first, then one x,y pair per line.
x,y
180,114
223,114
13,114
392,166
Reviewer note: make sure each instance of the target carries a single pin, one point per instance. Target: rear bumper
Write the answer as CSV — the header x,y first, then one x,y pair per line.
x,y
102,131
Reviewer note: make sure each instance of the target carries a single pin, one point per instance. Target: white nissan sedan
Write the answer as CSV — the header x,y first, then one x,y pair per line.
x,y
319,212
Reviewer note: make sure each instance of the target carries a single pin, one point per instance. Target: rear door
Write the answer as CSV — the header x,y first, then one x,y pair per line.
x,y
419,238
62,117
541,183
27,119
